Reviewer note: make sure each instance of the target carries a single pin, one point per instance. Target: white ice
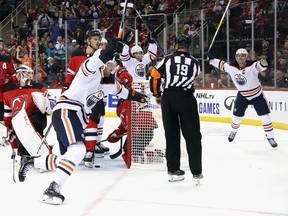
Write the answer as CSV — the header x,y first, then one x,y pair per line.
x,y
243,178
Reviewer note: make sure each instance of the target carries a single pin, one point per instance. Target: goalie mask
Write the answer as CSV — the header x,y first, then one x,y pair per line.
x,y
137,52
24,74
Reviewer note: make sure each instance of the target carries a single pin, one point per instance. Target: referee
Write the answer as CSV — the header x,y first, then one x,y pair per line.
x,y
179,108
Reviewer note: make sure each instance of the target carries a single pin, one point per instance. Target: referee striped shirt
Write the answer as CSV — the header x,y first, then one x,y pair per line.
x,y
178,70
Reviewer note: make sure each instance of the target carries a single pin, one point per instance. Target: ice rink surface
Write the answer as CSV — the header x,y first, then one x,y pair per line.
x,y
243,178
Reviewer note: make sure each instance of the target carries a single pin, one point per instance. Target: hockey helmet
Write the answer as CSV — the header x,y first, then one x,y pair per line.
x,y
183,41
93,32
24,73
136,49
241,51
103,40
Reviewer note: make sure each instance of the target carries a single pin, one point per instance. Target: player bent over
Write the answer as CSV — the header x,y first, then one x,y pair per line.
x,y
244,74
70,118
33,97
144,121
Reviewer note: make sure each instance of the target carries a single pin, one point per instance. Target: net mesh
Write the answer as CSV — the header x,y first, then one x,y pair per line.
x,y
147,134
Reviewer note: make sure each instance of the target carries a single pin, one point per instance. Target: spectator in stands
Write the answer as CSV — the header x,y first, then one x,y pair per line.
x,y
52,69
39,74
55,30
50,49
223,81
26,57
210,80
60,56
281,79
282,64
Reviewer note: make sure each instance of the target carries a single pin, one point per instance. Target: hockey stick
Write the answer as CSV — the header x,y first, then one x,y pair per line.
x,y
131,5
121,28
219,25
44,139
14,164
119,152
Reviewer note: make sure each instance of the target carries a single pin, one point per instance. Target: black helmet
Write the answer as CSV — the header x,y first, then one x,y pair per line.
x,y
93,32
183,41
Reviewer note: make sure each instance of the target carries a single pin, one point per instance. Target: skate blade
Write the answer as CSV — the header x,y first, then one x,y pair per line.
x,y
176,178
197,182
99,155
89,164
51,200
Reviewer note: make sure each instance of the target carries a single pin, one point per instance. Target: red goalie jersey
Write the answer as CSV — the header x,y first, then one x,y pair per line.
x,y
16,97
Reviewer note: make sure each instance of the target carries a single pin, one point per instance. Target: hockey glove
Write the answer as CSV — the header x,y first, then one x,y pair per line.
x,y
136,96
65,86
265,62
114,45
115,136
208,56
152,37
128,37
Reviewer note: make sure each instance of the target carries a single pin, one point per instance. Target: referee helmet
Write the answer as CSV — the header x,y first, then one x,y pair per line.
x,y
183,41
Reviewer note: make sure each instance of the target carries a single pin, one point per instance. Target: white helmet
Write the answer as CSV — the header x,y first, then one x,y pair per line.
x,y
241,51
24,73
136,49
103,40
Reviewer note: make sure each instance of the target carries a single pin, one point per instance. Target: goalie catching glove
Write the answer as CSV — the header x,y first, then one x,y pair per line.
x,y
43,103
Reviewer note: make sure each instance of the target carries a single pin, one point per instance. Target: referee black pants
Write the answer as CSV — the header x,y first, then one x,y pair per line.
x,y
179,111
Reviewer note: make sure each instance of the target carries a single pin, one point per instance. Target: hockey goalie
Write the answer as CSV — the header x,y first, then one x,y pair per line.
x,y
144,122
26,105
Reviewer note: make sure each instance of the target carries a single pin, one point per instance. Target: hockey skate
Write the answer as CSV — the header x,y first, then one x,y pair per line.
x,y
103,148
178,175
272,142
27,163
89,159
197,178
52,195
231,136
99,153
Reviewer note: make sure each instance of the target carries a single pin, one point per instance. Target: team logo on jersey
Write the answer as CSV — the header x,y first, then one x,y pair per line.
x,y
240,79
93,98
18,103
140,70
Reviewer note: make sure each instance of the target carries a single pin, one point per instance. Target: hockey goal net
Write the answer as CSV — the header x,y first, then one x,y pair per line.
x,y
146,139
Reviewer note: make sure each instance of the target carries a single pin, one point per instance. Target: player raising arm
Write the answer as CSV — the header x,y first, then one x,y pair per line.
x,y
70,117
244,74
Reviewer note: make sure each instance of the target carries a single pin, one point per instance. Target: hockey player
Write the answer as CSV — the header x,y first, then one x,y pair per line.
x,y
143,133
136,64
70,117
7,71
94,130
20,96
244,74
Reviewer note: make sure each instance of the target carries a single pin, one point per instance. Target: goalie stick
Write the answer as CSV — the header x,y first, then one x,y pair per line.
x,y
119,152
131,5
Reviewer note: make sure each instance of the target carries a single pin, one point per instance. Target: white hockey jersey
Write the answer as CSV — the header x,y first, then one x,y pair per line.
x,y
135,68
86,89
245,79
